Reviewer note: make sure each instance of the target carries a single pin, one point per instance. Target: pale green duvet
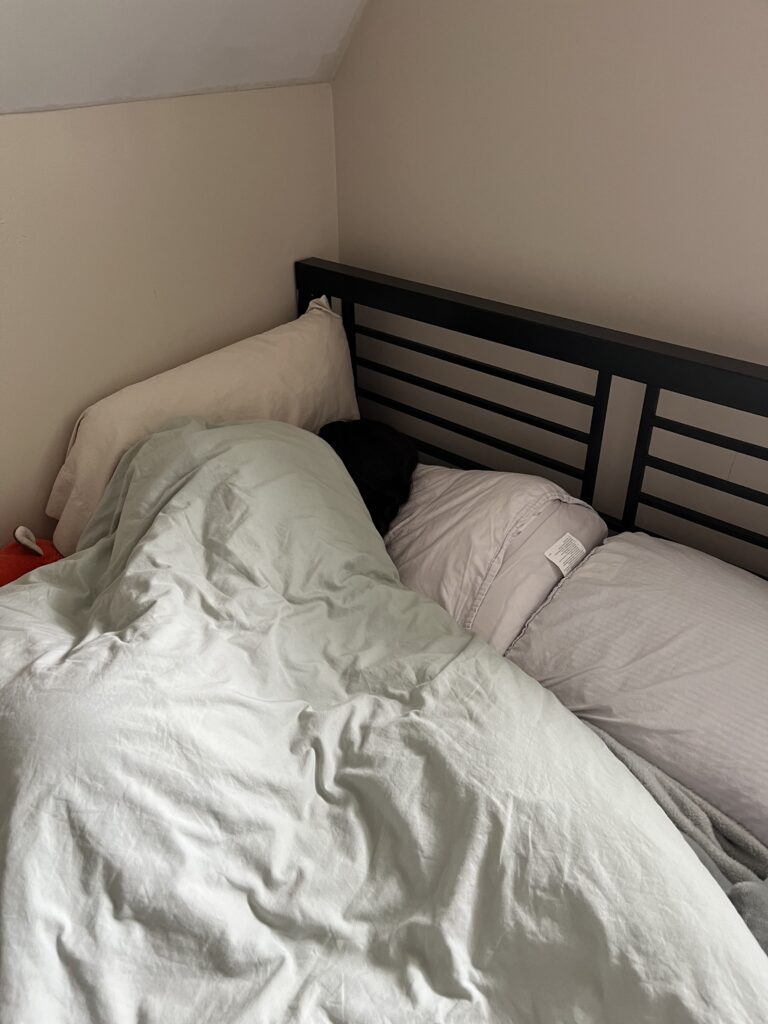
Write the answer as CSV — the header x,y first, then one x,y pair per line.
x,y
248,777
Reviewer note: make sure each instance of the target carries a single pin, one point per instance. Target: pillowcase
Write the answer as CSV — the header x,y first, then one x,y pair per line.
x,y
666,649
475,542
298,373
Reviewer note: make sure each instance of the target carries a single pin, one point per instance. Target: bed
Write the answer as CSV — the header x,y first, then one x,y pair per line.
x,y
248,775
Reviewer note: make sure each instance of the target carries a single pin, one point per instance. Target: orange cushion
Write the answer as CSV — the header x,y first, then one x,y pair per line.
x,y
16,560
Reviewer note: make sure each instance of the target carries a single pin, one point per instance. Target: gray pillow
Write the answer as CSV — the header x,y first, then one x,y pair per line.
x,y
475,541
666,649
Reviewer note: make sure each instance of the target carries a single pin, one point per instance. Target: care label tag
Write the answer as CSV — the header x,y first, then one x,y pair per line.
x,y
566,553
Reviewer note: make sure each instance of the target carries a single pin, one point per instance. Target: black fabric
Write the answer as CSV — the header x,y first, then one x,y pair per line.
x,y
379,459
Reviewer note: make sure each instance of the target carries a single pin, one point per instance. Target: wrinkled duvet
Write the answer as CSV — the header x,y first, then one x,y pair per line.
x,y
247,777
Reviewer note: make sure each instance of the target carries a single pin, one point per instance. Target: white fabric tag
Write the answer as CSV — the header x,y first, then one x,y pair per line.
x,y
566,553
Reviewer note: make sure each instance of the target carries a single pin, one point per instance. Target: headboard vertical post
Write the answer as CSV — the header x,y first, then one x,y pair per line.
x,y
350,329
642,447
596,430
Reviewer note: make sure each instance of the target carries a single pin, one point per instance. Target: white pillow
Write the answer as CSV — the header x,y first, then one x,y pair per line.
x,y
474,541
298,373
666,649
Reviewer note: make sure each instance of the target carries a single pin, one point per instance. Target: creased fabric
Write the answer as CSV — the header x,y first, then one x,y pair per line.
x,y
246,776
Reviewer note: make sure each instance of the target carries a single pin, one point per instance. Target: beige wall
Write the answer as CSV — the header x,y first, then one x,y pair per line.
x,y
603,161
137,236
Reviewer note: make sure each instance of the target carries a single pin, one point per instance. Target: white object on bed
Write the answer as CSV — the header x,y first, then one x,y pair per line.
x,y
24,536
476,542
298,373
666,649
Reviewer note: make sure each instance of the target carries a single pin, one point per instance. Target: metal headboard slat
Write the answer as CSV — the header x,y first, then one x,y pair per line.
x,y
475,400
500,372
474,435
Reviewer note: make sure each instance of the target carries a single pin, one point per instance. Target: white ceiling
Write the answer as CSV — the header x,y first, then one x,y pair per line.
x,y
69,53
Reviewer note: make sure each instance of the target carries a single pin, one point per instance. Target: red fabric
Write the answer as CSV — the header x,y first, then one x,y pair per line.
x,y
16,560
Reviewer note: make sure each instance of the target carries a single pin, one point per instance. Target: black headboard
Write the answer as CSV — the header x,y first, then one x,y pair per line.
x,y
659,366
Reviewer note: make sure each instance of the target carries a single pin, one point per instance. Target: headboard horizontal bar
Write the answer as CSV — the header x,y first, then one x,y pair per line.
x,y
711,522
733,444
687,371
473,435
475,400
460,461
499,372
716,482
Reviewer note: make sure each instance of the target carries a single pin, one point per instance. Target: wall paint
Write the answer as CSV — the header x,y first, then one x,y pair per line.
x,y
601,161
85,52
138,236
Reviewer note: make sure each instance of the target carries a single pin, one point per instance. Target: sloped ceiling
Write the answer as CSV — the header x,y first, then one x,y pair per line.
x,y
68,53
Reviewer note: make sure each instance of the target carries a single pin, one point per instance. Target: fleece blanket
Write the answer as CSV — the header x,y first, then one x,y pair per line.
x,y
246,777
736,858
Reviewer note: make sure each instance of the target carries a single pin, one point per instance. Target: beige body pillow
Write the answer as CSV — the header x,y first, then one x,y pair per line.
x,y
298,373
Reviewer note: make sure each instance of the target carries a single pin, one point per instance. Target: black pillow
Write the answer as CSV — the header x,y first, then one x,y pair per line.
x,y
379,459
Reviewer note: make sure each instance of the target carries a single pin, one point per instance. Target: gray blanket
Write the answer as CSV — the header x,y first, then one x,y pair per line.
x,y
736,858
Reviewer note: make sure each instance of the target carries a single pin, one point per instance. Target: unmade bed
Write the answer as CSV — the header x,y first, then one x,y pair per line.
x,y
256,770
